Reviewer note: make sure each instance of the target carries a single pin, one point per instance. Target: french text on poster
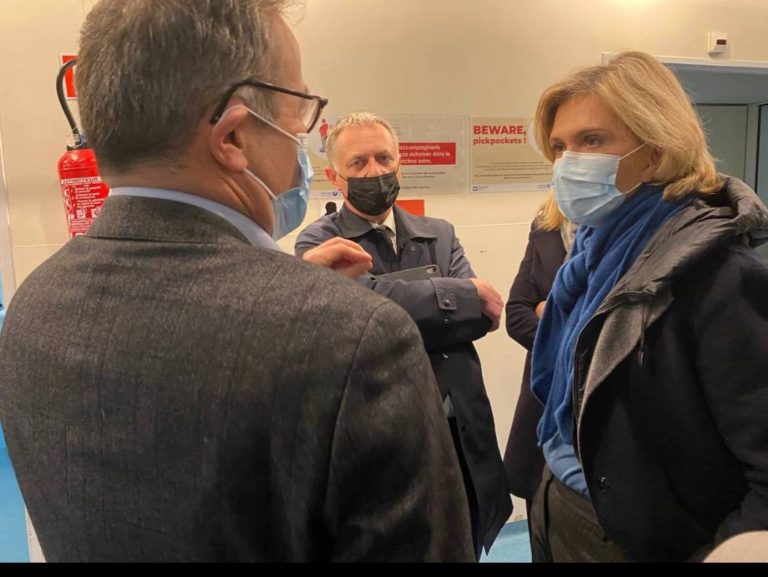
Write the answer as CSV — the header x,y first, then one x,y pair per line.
x,y
427,153
433,153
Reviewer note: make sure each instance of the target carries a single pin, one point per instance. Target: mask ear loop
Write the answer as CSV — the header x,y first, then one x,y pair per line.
x,y
300,139
630,153
639,184
261,182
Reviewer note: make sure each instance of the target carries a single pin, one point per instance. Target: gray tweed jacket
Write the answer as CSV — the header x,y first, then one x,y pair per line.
x,y
171,393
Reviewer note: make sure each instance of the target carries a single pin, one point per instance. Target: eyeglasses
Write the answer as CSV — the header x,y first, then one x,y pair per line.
x,y
310,111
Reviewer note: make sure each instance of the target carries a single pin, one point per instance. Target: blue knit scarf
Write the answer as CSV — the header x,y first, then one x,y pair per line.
x,y
600,257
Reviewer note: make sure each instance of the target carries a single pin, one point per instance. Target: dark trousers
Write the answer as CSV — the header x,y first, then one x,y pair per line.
x,y
474,516
564,527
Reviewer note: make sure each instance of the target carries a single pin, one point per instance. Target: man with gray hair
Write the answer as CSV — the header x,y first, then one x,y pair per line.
x,y
419,263
172,386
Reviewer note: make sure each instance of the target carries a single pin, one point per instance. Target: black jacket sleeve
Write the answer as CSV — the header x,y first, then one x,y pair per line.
x,y
543,256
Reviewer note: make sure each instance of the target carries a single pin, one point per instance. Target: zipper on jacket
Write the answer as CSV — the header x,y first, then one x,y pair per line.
x,y
579,380
579,383
641,351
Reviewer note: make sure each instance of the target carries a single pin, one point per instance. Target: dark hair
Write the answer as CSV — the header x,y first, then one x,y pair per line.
x,y
148,70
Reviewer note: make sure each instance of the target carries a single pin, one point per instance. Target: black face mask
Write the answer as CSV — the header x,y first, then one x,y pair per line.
x,y
373,195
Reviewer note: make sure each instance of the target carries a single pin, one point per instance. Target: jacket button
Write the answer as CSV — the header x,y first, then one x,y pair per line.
x,y
604,484
444,356
413,249
446,321
447,302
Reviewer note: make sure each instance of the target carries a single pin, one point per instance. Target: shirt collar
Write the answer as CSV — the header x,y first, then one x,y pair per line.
x,y
404,225
389,222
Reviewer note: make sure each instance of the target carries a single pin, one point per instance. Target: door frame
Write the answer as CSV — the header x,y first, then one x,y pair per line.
x,y
759,67
6,251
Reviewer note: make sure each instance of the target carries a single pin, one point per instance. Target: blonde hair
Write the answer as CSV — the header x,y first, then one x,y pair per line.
x,y
356,119
549,216
649,100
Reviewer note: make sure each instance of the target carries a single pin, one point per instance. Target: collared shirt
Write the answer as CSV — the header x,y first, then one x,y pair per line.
x,y
256,235
389,226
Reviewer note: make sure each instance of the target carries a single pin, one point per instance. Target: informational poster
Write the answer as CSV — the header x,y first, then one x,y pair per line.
x,y
321,186
504,157
433,155
433,152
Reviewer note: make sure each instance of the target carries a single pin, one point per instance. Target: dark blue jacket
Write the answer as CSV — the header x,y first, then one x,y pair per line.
x,y
448,312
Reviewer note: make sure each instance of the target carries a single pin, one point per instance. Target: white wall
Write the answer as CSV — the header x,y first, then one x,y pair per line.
x,y
483,57
34,131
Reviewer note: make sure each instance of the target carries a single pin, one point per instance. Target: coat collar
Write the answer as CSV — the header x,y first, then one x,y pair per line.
x,y
689,238
137,218
645,291
352,226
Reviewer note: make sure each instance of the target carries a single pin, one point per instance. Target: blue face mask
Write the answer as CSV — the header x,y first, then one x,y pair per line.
x,y
584,186
290,207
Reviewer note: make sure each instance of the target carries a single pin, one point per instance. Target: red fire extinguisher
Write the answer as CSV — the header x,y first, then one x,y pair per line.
x,y
81,186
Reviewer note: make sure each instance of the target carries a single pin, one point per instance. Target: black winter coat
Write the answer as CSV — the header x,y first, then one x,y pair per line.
x,y
523,459
671,383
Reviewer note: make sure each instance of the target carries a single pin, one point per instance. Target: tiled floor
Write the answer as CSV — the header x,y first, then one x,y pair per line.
x,y
13,531
511,546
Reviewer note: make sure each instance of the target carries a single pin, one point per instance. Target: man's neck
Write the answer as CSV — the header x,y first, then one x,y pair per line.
x,y
183,177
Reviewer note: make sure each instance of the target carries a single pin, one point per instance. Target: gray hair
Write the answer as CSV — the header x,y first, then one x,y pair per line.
x,y
355,119
148,70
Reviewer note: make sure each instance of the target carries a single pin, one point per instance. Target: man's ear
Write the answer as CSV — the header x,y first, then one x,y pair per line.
x,y
226,141
333,176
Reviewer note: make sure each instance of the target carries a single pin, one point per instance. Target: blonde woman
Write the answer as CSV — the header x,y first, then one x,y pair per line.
x,y
651,357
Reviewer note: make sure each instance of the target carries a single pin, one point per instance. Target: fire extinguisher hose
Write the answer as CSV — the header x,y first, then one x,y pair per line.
x,y
79,140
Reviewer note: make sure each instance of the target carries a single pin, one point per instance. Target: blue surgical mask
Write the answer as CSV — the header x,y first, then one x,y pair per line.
x,y
290,207
584,186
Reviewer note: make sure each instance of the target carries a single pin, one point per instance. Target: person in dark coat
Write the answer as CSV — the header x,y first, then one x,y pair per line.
x,y
548,242
451,307
651,357
174,387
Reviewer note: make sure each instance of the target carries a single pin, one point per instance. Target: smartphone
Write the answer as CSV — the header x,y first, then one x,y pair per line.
x,y
417,273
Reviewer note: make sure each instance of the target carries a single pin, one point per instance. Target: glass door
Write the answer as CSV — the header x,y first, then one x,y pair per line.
x,y
762,163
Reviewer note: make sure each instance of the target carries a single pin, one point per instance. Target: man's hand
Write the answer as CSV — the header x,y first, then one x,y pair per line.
x,y
342,255
492,303
540,308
